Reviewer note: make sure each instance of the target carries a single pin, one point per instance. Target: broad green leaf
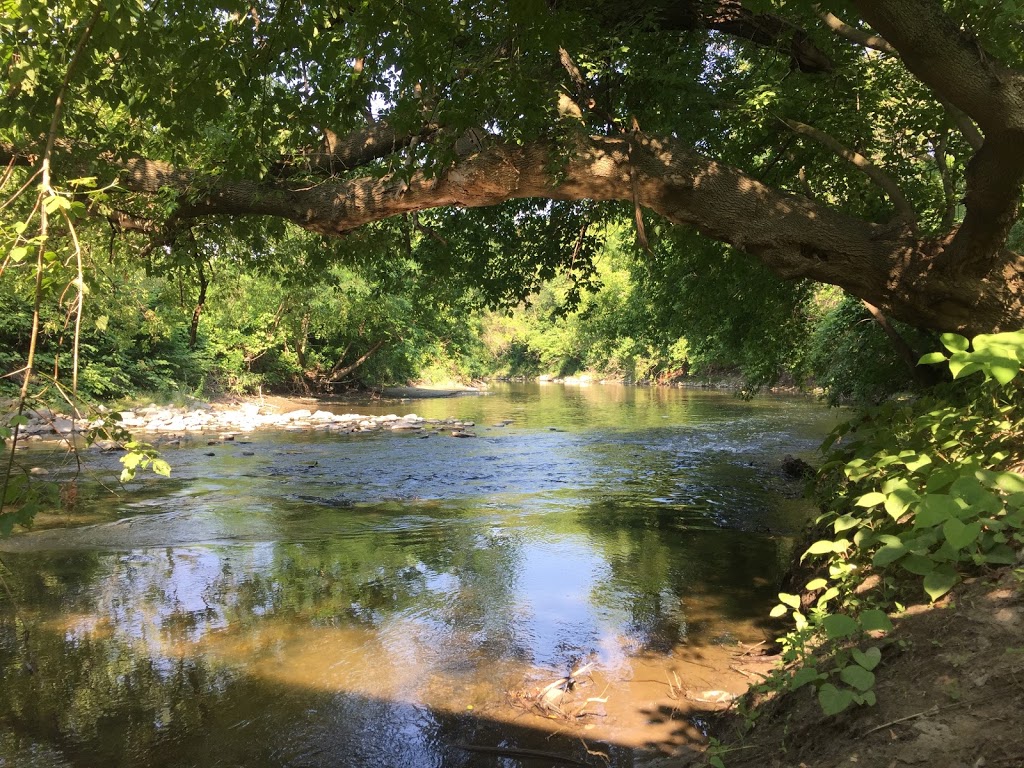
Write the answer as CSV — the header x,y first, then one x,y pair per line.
x,y
822,547
845,522
954,342
803,676
1010,482
838,625
829,594
931,358
961,366
888,554
1001,554
940,581
960,535
896,503
870,499
874,620
815,584
793,601
935,509
868,659
918,564
834,700
857,677
918,462
778,610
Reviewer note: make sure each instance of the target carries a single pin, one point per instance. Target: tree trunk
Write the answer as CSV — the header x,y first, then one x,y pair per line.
x,y
338,372
193,330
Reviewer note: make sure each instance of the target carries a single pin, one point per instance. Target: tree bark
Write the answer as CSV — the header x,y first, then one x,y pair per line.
x,y
794,236
338,372
957,68
204,283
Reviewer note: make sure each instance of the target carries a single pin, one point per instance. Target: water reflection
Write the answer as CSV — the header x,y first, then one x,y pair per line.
x,y
369,601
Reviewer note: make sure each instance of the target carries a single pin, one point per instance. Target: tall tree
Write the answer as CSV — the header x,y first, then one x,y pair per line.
x,y
877,146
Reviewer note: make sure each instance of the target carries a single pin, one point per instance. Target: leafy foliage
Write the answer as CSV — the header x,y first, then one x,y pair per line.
x,y
915,493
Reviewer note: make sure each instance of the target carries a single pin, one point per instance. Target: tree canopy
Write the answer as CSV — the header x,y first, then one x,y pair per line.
x,y
876,146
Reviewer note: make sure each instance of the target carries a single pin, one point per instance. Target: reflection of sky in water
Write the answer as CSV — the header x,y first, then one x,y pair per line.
x,y
560,621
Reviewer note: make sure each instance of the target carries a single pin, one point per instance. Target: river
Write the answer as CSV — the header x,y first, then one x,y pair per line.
x,y
314,599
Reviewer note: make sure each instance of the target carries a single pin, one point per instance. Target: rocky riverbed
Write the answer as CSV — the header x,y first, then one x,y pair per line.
x,y
226,419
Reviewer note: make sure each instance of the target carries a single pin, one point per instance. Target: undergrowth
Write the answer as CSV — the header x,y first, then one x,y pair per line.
x,y
915,495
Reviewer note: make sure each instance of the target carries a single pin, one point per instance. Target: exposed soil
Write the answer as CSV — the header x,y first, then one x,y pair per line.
x,y
950,693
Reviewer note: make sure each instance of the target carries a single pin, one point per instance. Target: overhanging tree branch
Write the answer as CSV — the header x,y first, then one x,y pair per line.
x,y
793,236
858,36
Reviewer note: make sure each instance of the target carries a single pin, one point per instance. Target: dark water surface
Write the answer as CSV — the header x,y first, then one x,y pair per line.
x,y
314,599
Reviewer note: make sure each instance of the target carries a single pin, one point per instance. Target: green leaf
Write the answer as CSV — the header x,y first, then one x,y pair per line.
x,y
868,697
829,594
889,554
935,509
918,462
1001,554
101,323
845,522
161,467
873,620
940,581
870,499
931,358
960,535
838,626
954,342
896,503
857,677
778,610
961,365
1010,482
803,676
814,584
918,564
822,547
834,700
793,601
868,659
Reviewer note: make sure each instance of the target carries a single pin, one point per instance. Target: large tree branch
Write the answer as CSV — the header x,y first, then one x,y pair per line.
x,y
957,68
794,236
338,154
858,36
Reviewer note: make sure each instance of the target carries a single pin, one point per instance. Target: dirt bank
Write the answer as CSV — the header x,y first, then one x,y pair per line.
x,y
950,693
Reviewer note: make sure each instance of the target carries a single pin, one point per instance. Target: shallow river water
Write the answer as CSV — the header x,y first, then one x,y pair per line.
x,y
314,599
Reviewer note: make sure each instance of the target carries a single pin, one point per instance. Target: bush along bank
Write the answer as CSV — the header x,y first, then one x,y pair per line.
x,y
917,496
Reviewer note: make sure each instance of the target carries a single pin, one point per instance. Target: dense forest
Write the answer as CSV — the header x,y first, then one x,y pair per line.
x,y
227,197
228,324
